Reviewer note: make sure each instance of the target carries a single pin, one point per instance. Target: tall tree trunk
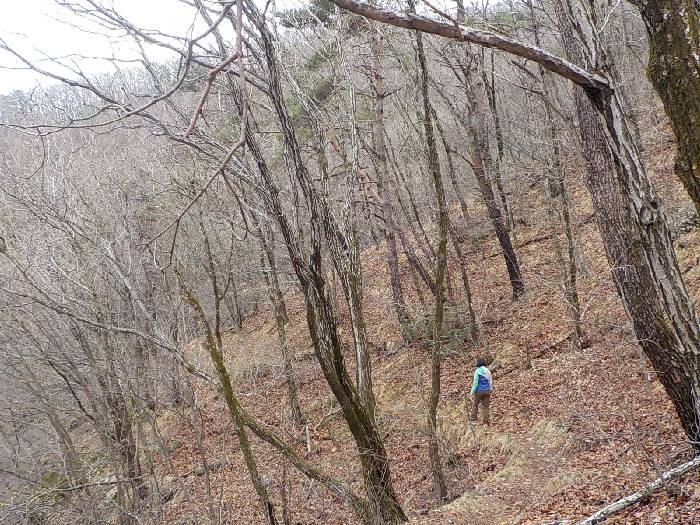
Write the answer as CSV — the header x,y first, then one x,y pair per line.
x,y
479,153
70,456
454,236
414,261
637,243
233,306
321,316
436,355
451,170
495,168
568,278
347,263
569,269
673,27
475,127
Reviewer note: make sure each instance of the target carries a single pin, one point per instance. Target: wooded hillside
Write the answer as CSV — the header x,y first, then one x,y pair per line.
x,y
247,270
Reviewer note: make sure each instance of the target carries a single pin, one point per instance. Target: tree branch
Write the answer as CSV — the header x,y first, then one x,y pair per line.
x,y
564,68
660,482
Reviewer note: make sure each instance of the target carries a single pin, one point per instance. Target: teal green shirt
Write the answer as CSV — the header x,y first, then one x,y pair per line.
x,y
482,381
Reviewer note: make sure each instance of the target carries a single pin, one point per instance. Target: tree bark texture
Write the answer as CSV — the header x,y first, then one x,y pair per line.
x,y
480,154
673,27
321,317
638,244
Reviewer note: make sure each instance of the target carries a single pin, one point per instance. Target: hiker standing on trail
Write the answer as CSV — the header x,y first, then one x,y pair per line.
x,y
481,390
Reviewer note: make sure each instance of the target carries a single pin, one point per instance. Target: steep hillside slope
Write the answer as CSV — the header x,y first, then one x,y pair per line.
x,y
572,430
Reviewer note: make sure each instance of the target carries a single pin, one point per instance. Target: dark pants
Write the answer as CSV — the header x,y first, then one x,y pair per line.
x,y
483,399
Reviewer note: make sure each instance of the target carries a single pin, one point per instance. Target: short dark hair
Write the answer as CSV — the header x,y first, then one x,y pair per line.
x,y
480,362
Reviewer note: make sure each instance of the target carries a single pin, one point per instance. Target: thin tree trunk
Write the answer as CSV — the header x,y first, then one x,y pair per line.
x,y
321,317
416,264
479,152
72,461
570,295
471,314
439,482
451,171
476,132
269,268
212,344
381,164
567,264
233,307
495,168
454,235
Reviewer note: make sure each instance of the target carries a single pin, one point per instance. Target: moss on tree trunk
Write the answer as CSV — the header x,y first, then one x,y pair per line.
x,y
674,70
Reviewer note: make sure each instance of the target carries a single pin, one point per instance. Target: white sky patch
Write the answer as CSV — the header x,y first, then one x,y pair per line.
x,y
44,31
48,34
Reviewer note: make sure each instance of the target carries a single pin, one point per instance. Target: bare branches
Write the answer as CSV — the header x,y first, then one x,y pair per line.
x,y
585,79
220,170
202,100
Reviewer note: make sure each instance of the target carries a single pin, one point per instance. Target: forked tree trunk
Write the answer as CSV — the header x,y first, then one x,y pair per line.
x,y
345,255
321,316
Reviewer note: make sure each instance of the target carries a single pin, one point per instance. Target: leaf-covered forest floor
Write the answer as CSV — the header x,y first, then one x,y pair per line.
x,y
571,430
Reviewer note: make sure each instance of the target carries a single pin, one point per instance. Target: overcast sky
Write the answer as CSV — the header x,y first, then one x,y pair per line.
x,y
42,29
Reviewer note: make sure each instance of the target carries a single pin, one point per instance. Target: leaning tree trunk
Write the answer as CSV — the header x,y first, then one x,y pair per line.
x,y
321,315
673,27
212,342
638,244
479,155
475,127
495,168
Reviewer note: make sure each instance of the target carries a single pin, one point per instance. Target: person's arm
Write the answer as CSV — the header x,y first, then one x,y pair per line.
x,y
475,382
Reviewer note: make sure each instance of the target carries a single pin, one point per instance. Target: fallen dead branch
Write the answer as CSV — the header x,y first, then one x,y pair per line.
x,y
660,482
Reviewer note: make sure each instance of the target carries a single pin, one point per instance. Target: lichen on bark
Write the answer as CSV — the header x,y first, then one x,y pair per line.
x,y
673,27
